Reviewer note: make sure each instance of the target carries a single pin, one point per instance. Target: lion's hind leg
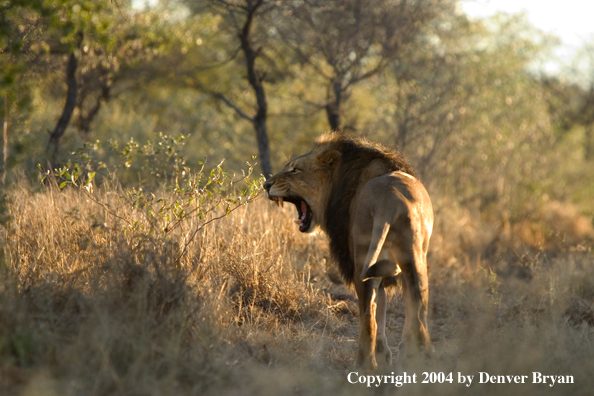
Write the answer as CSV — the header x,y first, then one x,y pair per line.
x,y
373,343
367,293
415,335
383,355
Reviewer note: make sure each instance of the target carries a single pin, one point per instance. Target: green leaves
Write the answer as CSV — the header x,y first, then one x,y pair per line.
x,y
183,199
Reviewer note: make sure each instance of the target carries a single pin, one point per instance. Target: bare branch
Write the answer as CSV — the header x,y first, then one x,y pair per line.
x,y
239,112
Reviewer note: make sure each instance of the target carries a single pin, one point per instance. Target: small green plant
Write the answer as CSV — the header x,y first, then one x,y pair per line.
x,y
491,277
184,197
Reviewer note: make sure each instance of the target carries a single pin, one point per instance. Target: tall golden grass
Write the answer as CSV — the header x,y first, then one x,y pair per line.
x,y
249,306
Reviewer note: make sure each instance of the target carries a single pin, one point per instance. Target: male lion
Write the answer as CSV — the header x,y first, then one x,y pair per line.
x,y
379,219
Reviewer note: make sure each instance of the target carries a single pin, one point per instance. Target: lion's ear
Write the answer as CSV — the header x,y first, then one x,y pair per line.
x,y
328,159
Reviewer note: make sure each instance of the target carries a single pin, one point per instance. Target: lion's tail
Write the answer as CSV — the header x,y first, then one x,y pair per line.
x,y
382,268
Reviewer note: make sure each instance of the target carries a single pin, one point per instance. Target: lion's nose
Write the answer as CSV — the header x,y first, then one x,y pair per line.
x,y
267,184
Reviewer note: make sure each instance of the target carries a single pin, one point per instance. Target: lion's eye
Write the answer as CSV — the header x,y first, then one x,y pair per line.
x,y
295,170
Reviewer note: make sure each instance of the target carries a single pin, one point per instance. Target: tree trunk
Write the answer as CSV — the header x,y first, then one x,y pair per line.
x,y
84,121
255,81
55,136
5,141
333,105
263,147
333,117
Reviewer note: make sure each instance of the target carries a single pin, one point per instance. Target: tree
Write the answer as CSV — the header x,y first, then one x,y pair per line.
x,y
239,17
90,45
345,42
126,54
70,103
581,109
18,34
41,30
469,113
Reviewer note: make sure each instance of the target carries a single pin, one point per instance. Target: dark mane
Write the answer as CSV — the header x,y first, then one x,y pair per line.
x,y
356,154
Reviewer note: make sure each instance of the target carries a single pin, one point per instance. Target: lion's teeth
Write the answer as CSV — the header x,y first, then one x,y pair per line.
x,y
299,222
282,202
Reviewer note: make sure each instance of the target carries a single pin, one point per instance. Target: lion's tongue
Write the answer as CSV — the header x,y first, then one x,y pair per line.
x,y
303,210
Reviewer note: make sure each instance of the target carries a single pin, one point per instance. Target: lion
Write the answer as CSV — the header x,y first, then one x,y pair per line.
x,y
379,218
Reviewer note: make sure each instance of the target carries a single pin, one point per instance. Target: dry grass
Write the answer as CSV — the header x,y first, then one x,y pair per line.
x,y
89,306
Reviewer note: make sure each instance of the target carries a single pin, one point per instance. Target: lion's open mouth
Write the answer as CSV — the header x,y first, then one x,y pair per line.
x,y
303,210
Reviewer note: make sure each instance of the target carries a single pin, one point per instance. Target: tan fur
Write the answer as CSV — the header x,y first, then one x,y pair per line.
x,y
379,219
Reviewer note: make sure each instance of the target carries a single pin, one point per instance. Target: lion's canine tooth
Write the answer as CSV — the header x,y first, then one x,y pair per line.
x,y
282,202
